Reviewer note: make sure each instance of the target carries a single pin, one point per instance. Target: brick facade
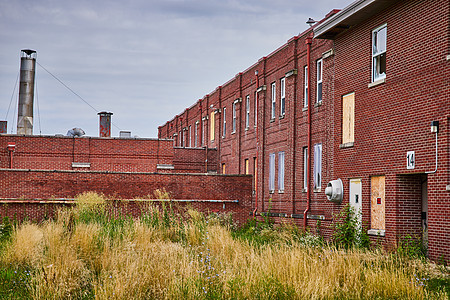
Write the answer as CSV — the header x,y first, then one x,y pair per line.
x,y
36,193
391,118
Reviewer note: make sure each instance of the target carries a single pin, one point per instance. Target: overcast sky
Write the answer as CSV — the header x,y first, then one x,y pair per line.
x,y
143,60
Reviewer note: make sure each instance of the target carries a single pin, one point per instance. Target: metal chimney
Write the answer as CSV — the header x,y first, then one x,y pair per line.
x,y
26,92
105,123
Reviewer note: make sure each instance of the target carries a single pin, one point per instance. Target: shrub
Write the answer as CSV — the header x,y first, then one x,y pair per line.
x,y
347,232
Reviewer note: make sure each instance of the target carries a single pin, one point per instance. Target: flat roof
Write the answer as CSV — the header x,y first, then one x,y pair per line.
x,y
355,13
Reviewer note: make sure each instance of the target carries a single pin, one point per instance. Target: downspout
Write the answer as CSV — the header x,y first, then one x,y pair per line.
x,y
308,176
238,123
294,117
257,146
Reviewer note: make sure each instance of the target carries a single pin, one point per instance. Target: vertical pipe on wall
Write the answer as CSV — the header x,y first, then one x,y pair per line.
x,y
294,123
308,176
257,144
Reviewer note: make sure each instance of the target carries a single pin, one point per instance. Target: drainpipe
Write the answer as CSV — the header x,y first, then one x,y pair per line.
x,y
257,146
308,177
11,148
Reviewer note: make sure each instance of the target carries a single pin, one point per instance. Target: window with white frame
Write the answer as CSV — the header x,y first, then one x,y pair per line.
x,y
196,134
234,117
190,136
274,99
281,171
247,111
379,36
283,96
271,172
305,87
305,168
204,130
317,166
224,114
181,139
319,65
256,109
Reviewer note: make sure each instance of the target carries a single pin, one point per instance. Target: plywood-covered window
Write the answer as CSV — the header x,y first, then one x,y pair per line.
x,y
223,168
246,167
377,205
348,118
212,126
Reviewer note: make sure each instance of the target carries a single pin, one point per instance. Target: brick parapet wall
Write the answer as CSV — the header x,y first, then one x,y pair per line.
x,y
214,193
101,154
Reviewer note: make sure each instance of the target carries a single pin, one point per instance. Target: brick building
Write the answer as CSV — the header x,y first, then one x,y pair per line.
x,y
351,101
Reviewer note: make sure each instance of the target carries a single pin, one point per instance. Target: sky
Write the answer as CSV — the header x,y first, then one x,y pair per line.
x,y
143,60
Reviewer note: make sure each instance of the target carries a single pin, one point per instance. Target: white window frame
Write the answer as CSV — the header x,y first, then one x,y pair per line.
x,y
305,168
271,172
305,86
274,100
281,168
234,118
196,135
190,136
283,96
319,85
378,52
224,129
247,112
317,166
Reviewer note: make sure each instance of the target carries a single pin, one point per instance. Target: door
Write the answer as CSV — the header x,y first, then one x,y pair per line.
x,y
425,213
355,198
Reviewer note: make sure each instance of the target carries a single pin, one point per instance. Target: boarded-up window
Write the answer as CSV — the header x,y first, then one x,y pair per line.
x,y
348,118
271,172
377,208
281,171
223,168
212,124
246,167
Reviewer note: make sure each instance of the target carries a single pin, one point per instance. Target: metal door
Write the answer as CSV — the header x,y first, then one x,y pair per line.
x,y
355,197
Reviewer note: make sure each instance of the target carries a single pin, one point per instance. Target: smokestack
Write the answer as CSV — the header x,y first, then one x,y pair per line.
x,y
105,123
3,127
26,92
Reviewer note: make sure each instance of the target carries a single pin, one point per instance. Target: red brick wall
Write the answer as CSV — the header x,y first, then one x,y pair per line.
x,y
394,117
103,154
193,160
207,192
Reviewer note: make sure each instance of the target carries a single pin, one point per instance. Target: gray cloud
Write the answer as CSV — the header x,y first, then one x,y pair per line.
x,y
143,60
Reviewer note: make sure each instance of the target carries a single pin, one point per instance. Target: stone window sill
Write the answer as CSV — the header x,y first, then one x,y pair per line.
x,y
377,82
346,145
376,232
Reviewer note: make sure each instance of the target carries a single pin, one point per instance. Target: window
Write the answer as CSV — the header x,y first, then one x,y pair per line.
x,y
224,133
190,136
348,118
255,176
319,80
281,171
246,167
204,129
223,168
378,207
282,95
379,53
196,134
247,111
212,127
271,172
274,99
305,168
256,109
317,166
181,139
305,90
234,116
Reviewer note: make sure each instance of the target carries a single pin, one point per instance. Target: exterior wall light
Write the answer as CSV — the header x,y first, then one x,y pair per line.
x,y
435,126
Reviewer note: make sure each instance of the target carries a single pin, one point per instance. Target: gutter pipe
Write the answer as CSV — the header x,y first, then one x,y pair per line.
x,y
308,42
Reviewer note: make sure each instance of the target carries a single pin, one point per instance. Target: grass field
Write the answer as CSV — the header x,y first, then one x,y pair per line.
x,y
86,253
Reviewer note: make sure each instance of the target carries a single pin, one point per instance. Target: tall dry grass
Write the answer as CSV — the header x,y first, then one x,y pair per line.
x,y
86,253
